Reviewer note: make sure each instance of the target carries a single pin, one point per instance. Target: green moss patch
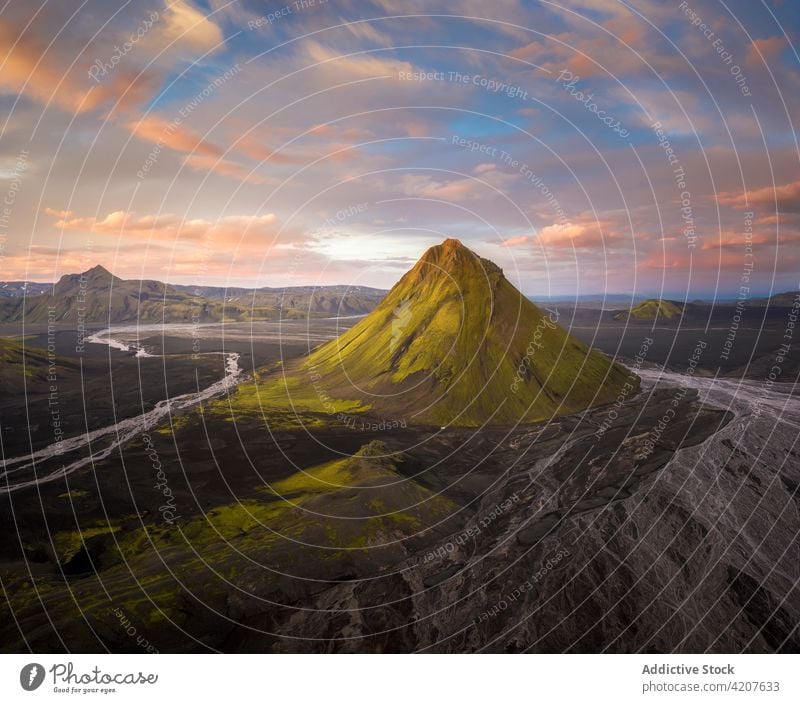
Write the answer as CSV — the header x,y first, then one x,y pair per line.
x,y
68,543
285,402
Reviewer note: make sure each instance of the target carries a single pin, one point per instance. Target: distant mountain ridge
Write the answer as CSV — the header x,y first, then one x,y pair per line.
x,y
779,300
98,296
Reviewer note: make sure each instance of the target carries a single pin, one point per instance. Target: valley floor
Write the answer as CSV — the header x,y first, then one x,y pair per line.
x,y
668,523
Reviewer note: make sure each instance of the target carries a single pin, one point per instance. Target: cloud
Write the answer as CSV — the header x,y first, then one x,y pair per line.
x,y
202,155
228,230
785,198
590,51
416,127
516,241
354,67
186,25
731,239
337,132
581,235
224,167
723,260
668,107
782,219
768,48
368,31
455,190
157,130
101,56
458,189
294,154
584,232
32,68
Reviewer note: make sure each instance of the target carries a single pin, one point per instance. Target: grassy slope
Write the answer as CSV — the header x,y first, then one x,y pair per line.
x,y
283,402
14,370
25,367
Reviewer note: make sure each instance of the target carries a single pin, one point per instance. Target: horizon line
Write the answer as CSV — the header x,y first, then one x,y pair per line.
x,y
669,295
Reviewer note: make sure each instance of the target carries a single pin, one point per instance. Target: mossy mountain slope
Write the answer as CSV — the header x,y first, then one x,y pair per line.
x,y
454,342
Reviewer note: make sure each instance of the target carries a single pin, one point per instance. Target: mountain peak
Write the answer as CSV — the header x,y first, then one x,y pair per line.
x,y
448,248
95,277
97,271
455,259
452,245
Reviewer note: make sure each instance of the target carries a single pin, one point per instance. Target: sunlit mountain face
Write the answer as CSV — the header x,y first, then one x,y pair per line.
x,y
379,326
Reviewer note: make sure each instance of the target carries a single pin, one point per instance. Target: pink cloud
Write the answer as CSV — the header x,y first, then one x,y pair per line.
x,y
224,167
706,263
44,53
254,148
593,52
157,130
202,155
768,48
516,241
594,234
228,230
730,239
786,198
458,189
33,69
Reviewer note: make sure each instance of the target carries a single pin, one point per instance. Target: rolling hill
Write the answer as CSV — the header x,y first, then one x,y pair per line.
x,y
652,309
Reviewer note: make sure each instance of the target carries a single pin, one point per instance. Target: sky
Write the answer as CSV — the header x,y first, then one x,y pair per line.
x,y
586,146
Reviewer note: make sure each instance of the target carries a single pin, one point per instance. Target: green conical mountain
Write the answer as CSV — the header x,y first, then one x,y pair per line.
x,y
454,342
